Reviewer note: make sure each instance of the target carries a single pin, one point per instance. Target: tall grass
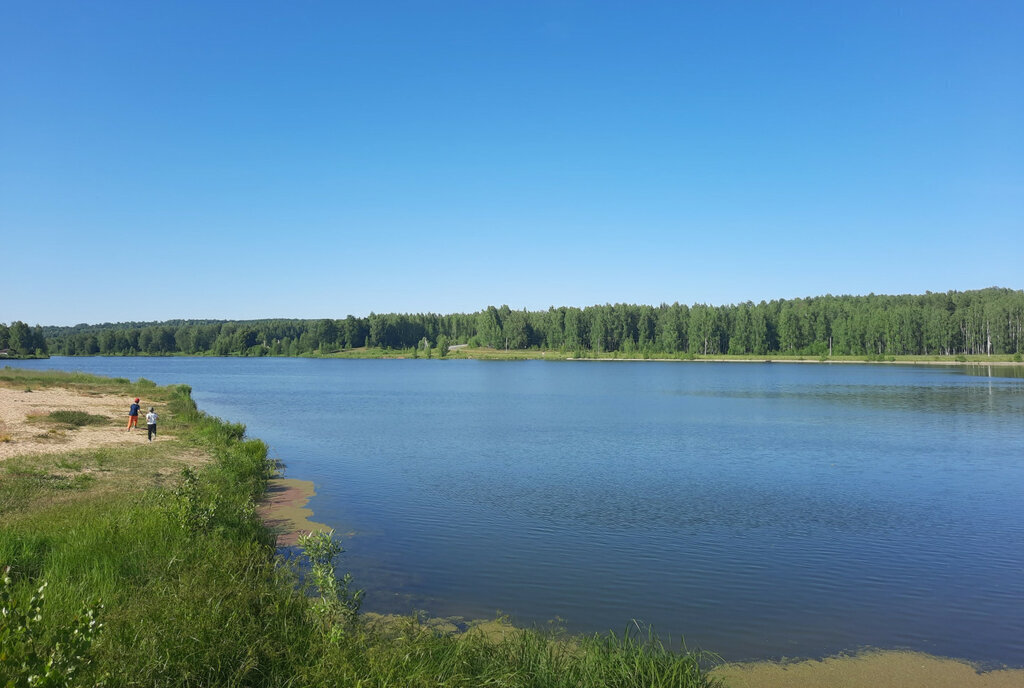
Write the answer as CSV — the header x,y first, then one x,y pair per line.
x,y
193,595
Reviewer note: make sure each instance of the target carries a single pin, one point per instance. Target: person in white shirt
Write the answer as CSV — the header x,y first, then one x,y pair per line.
x,y
151,423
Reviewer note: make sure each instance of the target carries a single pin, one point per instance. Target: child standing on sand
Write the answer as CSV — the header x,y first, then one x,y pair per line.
x,y
133,414
151,423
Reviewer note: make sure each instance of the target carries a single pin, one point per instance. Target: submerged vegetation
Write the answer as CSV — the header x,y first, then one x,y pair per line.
x,y
157,571
987,322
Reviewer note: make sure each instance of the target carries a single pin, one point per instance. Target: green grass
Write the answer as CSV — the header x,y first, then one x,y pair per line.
x,y
46,378
183,577
77,419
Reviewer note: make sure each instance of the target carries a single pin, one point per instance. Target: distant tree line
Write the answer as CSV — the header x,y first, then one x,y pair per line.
x,y
21,340
987,321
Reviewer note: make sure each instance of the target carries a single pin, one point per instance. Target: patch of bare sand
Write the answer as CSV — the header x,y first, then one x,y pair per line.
x,y
284,509
881,669
20,435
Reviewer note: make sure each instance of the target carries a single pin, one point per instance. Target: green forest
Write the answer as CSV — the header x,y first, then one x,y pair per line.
x,y
986,321
21,340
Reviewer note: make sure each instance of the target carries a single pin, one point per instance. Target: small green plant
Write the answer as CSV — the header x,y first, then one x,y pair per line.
x,y
30,657
192,512
961,358
336,596
69,465
1017,357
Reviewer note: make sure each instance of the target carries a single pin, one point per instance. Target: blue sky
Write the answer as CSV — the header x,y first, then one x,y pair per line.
x,y
319,159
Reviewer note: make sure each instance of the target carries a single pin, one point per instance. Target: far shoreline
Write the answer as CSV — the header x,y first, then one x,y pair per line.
x,y
1001,364
488,354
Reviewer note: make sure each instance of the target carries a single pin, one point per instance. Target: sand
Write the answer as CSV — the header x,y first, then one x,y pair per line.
x,y
284,510
19,434
868,670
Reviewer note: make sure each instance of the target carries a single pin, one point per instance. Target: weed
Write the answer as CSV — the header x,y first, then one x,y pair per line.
x,y
31,657
193,511
336,597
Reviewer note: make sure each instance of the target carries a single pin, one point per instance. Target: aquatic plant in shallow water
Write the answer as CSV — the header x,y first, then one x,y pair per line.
x,y
337,599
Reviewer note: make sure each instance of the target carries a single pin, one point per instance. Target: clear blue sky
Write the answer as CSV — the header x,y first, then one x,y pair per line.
x,y
319,159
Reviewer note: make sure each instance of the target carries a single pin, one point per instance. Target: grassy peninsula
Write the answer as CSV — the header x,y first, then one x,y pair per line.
x,y
136,563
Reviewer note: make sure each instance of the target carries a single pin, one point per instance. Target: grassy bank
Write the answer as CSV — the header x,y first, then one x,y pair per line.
x,y
147,565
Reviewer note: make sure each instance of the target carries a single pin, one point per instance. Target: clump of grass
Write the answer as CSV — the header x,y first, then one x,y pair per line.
x,y
68,465
77,419
81,481
6,438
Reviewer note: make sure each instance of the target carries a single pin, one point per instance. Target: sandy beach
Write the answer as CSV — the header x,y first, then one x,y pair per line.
x,y
21,431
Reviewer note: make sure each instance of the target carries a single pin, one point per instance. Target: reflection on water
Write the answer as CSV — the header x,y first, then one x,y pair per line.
x,y
758,511
982,370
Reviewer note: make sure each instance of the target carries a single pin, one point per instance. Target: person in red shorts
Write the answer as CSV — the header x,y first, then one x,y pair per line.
x,y
133,414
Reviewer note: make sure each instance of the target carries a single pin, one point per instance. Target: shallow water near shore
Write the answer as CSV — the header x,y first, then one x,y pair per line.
x,y
758,511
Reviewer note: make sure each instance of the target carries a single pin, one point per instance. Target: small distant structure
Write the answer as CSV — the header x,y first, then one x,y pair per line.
x,y
5,352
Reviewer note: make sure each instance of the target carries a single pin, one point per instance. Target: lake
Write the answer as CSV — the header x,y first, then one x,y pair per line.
x,y
756,510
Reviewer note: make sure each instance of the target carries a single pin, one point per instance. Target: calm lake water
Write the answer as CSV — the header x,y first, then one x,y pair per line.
x,y
756,510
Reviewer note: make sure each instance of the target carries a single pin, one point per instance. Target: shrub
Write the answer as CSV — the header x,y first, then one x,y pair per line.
x,y
336,597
